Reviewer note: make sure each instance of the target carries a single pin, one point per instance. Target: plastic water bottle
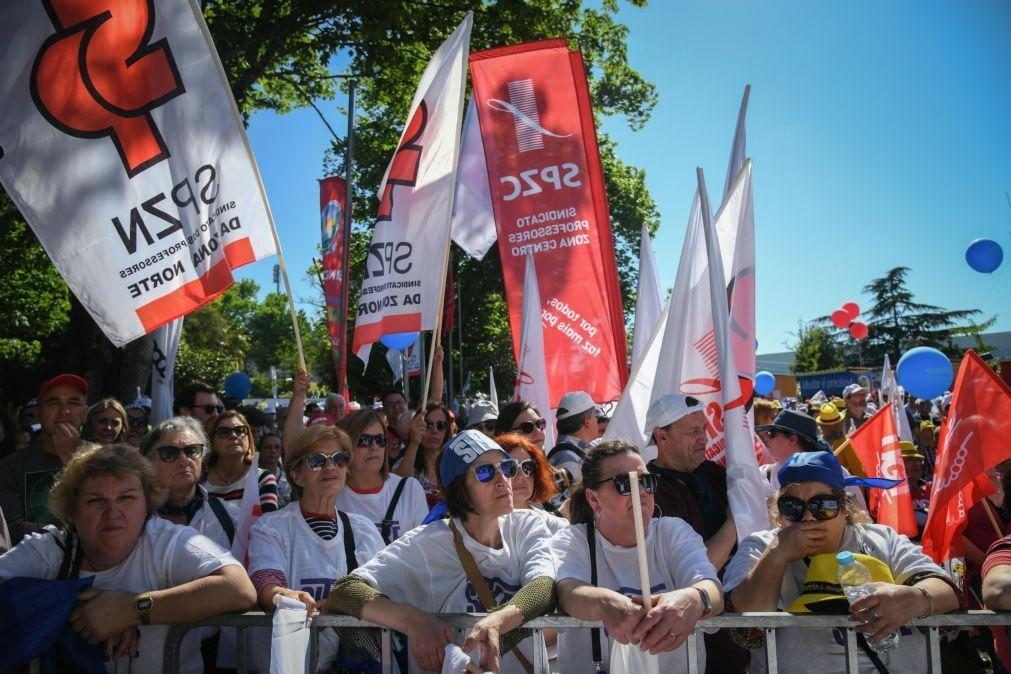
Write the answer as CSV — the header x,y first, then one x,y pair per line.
x,y
857,582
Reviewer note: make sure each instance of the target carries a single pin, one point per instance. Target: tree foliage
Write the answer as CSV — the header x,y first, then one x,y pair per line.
x,y
815,350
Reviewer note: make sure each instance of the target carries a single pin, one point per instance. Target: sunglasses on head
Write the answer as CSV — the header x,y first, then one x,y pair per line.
x,y
822,507
211,409
170,453
527,427
623,483
436,425
229,431
317,460
364,440
486,471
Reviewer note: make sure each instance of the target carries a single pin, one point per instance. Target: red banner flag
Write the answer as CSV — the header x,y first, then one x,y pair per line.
x,y
333,229
974,438
547,190
876,444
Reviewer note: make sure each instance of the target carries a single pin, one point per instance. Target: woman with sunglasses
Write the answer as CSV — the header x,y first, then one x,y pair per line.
x,y
422,572
300,550
814,516
137,421
601,543
106,422
271,449
424,457
175,448
394,504
534,485
230,458
521,416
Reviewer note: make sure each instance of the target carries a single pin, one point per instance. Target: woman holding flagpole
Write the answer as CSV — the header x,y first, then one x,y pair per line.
x,y
424,459
229,461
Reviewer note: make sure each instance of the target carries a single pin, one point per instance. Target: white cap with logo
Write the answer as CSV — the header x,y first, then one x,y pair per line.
x,y
573,403
668,409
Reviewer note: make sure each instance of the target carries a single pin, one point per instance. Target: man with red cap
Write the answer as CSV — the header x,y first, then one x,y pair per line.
x,y
26,476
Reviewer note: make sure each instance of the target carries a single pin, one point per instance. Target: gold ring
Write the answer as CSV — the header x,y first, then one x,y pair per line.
x,y
674,636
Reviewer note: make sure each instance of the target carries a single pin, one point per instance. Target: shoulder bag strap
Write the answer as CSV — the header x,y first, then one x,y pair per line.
x,y
224,519
481,587
349,541
591,542
70,565
387,526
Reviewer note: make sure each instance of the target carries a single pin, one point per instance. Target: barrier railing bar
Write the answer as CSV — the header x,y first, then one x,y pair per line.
x,y
313,648
934,648
852,658
693,651
240,655
541,663
387,651
771,653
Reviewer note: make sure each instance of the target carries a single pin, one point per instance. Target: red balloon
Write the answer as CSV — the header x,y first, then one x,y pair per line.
x,y
858,330
841,318
853,309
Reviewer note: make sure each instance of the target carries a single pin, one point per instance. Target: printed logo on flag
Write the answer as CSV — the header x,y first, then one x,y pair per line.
x,y
331,219
406,160
522,105
97,76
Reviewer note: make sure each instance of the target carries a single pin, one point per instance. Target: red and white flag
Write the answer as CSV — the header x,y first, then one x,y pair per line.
x,y
974,438
122,147
531,372
876,444
249,510
333,232
410,243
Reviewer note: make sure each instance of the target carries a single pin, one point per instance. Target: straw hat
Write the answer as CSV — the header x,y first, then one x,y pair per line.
x,y
829,415
909,450
839,403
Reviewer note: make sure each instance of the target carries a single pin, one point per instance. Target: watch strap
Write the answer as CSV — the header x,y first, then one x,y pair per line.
x,y
143,605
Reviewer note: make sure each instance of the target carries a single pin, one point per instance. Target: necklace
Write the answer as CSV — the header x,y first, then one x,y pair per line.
x,y
225,480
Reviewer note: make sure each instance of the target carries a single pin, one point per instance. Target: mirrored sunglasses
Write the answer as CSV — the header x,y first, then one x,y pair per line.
x,y
822,507
364,440
170,453
230,431
623,483
318,460
528,466
527,427
486,471
436,425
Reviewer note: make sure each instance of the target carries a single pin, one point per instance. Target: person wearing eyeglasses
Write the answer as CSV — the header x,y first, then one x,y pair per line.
x,y
602,536
271,449
534,484
230,458
814,516
106,422
176,448
422,573
137,424
300,550
482,416
521,416
394,504
197,400
422,459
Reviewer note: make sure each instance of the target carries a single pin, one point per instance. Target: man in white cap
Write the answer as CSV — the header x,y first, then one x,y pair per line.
x,y
577,429
855,396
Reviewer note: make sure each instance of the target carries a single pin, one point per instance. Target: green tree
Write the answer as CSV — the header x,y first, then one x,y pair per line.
x,y
815,350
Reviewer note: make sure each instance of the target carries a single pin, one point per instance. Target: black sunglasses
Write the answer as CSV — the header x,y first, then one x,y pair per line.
x,y
318,460
229,431
623,483
437,425
170,453
822,507
211,409
486,471
364,440
136,421
527,427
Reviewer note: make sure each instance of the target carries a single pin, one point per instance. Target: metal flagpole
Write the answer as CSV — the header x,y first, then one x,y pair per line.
x,y
349,158
459,325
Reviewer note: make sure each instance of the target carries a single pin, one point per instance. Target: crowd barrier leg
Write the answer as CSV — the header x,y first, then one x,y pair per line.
x,y
852,659
771,654
387,651
693,651
934,649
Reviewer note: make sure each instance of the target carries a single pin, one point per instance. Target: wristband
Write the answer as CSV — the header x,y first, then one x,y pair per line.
x,y
930,603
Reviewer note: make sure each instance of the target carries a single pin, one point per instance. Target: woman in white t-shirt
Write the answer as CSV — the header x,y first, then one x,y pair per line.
x,y
230,459
395,504
149,573
421,573
534,485
684,584
300,550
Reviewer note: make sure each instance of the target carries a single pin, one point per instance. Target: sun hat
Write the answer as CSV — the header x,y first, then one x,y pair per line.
x,y
794,422
830,414
909,450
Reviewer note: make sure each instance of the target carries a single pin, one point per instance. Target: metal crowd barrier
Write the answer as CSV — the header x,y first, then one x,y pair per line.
x,y
461,622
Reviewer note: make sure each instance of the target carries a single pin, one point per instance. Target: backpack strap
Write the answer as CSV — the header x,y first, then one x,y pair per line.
x,y
70,565
224,519
566,447
386,529
591,542
349,541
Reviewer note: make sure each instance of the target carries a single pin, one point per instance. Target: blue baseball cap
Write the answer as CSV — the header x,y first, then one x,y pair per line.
x,y
824,467
461,451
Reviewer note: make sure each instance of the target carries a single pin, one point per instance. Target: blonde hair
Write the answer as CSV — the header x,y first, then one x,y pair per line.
x,y
101,406
212,426
302,445
118,460
356,423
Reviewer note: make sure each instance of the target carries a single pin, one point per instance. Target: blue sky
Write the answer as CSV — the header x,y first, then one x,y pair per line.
x,y
879,132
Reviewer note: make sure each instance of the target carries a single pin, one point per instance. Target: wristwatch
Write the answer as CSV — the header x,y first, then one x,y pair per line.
x,y
707,605
144,603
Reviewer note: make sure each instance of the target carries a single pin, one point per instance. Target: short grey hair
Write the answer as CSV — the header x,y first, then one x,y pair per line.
x,y
173,425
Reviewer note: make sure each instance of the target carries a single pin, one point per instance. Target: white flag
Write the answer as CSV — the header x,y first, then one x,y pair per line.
x,y
473,214
122,147
648,303
166,345
249,510
492,391
531,372
407,259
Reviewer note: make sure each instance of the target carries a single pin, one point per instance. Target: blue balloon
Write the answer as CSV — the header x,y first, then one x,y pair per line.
x,y
984,255
764,383
924,372
399,341
238,385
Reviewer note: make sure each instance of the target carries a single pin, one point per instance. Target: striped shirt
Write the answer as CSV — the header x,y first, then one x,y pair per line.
x,y
233,492
325,526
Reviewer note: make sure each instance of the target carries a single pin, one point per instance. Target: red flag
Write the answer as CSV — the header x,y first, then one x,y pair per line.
x,y
973,439
876,444
333,230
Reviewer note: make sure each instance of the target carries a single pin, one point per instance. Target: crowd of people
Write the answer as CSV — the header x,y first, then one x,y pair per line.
x,y
396,515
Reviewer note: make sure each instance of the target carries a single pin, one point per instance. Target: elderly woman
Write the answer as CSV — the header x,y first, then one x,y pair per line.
x,y
598,573
300,550
534,485
423,461
148,572
423,572
522,417
230,459
176,448
106,422
814,517
395,504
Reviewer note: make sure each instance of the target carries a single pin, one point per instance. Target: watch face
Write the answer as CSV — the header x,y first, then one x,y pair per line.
x,y
144,605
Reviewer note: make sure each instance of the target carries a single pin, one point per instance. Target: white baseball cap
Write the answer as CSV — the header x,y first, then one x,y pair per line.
x,y
853,388
573,403
482,410
668,409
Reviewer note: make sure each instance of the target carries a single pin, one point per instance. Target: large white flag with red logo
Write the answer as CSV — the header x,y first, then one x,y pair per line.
x,y
123,149
531,371
405,267
876,444
974,438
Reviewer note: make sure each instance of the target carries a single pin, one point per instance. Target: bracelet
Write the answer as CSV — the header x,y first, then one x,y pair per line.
x,y
930,603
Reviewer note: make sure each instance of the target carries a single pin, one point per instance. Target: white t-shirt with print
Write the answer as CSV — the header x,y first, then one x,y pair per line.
x,y
676,558
166,555
207,523
410,512
824,651
282,540
554,523
422,568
